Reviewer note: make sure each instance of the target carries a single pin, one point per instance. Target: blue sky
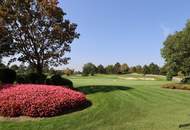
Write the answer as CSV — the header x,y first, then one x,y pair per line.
x,y
125,31
130,31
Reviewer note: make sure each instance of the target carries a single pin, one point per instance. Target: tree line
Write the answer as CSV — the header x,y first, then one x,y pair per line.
x,y
24,70
92,69
152,68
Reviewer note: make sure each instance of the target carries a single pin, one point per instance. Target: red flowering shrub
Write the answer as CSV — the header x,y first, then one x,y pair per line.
x,y
38,100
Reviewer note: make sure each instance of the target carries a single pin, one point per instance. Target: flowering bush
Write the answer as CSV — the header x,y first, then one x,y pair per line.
x,y
38,100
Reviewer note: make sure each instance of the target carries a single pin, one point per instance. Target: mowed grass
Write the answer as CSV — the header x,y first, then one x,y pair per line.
x,y
117,104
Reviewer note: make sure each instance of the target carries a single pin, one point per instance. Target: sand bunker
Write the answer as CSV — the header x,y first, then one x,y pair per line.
x,y
132,78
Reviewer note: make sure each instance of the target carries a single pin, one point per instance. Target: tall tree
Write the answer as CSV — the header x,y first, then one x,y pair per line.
x,y
154,68
146,70
117,68
101,69
124,68
89,68
133,69
39,33
139,69
109,69
176,51
5,41
164,69
68,71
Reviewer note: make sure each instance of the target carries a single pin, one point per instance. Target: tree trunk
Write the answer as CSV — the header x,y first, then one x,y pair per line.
x,y
39,69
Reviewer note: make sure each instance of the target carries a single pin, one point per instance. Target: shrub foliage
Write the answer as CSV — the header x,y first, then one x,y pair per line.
x,y
21,79
186,80
58,80
7,76
36,78
177,86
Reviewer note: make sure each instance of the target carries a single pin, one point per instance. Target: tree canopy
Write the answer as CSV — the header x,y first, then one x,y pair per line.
x,y
117,68
146,70
154,69
109,69
124,68
89,68
36,32
176,51
101,69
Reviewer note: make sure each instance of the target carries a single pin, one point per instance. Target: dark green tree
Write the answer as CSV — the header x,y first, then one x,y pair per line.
x,y
176,51
89,68
164,69
139,69
52,71
154,69
2,66
38,31
101,69
117,68
146,70
133,69
124,68
15,67
109,69
22,69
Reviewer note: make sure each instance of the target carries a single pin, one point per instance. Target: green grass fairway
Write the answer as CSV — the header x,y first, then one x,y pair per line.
x,y
117,104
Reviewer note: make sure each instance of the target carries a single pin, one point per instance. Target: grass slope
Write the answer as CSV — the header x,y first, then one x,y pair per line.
x,y
118,104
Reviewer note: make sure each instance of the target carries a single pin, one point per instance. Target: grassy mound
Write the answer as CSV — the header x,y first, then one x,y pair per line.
x,y
38,100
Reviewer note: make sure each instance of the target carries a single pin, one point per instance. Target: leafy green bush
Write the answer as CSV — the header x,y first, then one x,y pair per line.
x,y
169,76
58,80
186,80
36,78
48,81
7,76
67,82
84,74
21,79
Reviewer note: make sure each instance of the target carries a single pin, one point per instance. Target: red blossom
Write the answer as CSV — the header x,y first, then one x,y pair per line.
x,y
38,100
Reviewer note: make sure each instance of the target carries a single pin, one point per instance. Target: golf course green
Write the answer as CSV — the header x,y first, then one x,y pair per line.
x,y
118,103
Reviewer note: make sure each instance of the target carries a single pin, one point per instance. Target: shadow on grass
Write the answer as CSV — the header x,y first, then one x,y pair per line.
x,y
96,89
101,88
87,90
83,106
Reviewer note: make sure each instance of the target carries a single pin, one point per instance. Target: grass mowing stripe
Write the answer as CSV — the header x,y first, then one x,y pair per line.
x,y
145,107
